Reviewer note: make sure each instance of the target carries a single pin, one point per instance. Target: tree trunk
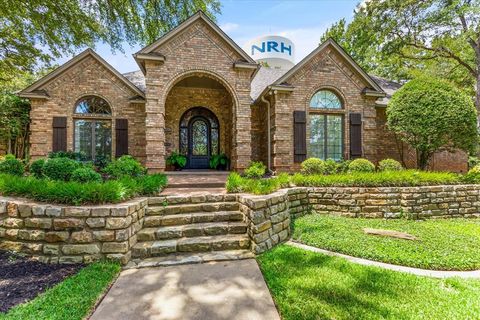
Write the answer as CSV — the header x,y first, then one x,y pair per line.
x,y
422,159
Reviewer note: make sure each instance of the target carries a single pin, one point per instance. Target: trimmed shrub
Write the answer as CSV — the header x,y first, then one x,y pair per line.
x,y
389,165
343,166
60,168
361,165
313,166
124,166
67,154
331,166
13,166
36,168
473,175
255,170
430,114
85,174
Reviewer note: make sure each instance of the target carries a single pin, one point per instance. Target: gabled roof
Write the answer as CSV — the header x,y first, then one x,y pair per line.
x,y
200,15
27,92
339,49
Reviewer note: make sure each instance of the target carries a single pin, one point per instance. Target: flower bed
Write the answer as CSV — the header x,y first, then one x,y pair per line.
x,y
67,181
407,178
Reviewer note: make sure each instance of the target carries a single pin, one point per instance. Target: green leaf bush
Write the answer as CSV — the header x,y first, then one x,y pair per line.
x,y
331,166
85,174
405,178
11,165
255,170
60,168
36,168
361,165
389,165
430,114
76,193
124,166
473,175
179,161
313,166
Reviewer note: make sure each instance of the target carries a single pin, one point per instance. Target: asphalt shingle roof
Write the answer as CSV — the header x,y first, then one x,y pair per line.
x,y
266,76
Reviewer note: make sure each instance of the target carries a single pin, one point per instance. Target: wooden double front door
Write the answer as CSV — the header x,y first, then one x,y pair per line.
x,y
199,137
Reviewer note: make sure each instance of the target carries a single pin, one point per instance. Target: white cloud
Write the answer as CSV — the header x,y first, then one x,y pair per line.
x,y
229,26
305,39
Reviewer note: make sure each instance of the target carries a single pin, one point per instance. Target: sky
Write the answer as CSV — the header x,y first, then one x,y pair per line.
x,y
303,22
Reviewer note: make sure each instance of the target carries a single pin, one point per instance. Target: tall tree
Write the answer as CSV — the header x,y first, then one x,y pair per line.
x,y
35,32
403,38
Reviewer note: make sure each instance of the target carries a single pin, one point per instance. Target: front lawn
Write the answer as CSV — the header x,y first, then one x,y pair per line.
x,y
452,244
71,299
308,285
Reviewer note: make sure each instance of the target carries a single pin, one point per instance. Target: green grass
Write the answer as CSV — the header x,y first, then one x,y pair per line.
x,y
406,178
308,285
71,299
451,244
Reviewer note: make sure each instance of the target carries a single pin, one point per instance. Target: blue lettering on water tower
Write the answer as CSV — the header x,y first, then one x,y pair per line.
x,y
272,46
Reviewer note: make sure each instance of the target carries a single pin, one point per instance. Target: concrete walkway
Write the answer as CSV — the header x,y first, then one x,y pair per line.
x,y
419,272
233,290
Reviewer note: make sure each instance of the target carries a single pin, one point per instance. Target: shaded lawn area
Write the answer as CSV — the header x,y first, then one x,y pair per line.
x,y
450,244
71,299
308,285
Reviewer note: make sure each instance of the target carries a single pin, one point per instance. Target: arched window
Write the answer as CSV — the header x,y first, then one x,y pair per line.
x,y
93,129
325,99
326,129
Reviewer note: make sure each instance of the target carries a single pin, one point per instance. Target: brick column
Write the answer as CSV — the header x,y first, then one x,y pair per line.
x,y
282,134
154,119
242,124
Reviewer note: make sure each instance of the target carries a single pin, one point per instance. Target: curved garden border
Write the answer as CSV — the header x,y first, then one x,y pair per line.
x,y
475,274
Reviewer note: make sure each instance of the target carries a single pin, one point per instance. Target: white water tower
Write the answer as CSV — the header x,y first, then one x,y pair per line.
x,y
274,51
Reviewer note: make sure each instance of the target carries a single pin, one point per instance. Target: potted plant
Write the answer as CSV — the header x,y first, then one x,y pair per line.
x,y
219,162
177,160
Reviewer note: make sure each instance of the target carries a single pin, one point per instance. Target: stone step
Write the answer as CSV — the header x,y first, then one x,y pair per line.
x,y
190,218
192,207
192,230
190,199
189,258
158,248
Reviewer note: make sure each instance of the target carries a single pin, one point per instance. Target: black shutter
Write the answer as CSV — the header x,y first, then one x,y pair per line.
x,y
59,140
300,135
121,136
355,135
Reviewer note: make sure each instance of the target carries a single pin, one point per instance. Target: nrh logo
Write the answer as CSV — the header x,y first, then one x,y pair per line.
x,y
272,46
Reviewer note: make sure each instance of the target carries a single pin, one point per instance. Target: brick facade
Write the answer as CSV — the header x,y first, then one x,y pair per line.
x,y
198,65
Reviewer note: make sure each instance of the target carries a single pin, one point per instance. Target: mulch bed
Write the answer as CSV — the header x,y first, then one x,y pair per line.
x,y
22,279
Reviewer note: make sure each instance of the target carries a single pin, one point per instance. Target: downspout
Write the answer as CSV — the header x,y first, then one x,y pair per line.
x,y
269,155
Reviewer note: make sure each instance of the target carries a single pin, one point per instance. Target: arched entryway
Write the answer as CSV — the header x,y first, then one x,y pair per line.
x,y
199,119
199,137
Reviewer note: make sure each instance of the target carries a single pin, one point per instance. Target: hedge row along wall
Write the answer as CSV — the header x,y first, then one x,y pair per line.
x,y
85,234
59,234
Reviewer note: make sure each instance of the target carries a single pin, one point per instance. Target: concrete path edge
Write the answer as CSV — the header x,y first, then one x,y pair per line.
x,y
415,271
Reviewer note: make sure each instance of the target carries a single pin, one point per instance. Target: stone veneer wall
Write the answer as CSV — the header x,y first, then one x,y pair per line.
x,y
64,234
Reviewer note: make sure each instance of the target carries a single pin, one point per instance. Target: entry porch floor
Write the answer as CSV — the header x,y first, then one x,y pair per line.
x,y
195,182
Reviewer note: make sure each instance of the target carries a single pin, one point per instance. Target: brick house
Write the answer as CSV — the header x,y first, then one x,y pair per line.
x,y
199,93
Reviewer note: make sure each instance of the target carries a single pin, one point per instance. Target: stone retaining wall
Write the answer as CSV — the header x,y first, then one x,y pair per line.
x,y
269,216
68,234
85,234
